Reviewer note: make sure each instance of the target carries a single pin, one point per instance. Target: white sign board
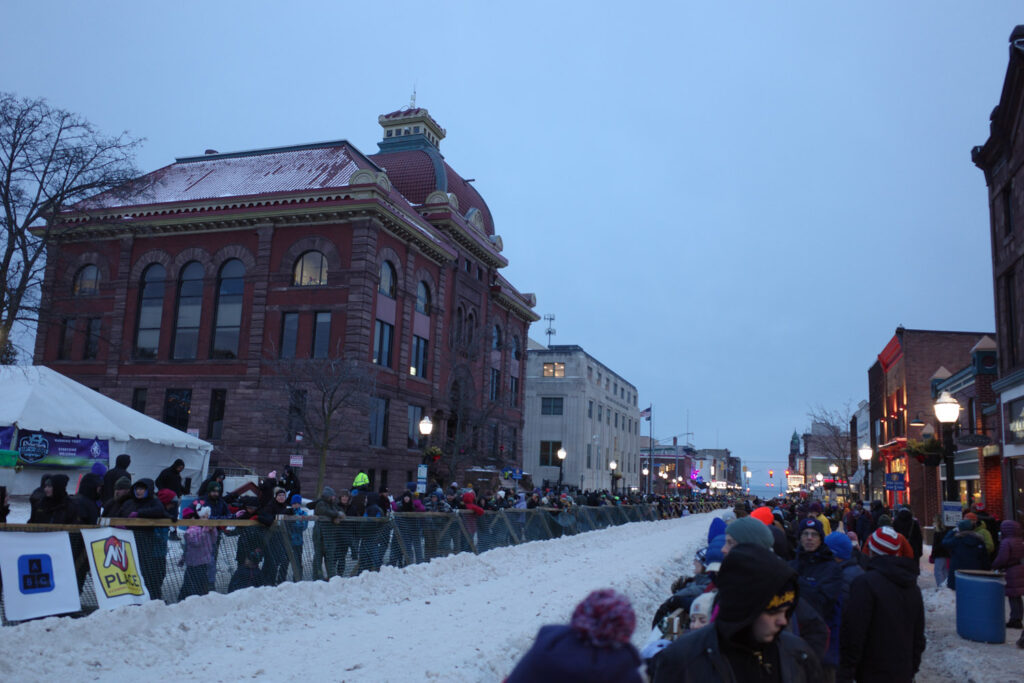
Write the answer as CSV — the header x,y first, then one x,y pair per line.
x,y
39,575
421,479
295,460
116,571
952,513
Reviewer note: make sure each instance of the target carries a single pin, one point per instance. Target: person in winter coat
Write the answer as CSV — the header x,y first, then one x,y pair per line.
x,y
55,506
275,563
122,492
746,640
296,532
248,574
120,469
1010,558
821,583
966,550
842,549
144,503
327,536
883,624
911,530
170,478
161,536
983,532
290,482
86,502
199,542
249,537
216,477
593,648
373,535
411,530
940,553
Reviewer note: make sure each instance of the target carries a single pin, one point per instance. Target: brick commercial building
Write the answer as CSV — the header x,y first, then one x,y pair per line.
x,y
1000,158
900,392
312,291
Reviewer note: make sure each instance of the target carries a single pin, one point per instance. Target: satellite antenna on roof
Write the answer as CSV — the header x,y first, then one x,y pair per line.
x,y
550,317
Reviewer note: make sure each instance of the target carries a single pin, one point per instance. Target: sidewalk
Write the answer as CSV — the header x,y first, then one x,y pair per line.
x,y
948,658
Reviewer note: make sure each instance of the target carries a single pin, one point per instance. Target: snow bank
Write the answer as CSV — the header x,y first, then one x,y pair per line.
x,y
459,618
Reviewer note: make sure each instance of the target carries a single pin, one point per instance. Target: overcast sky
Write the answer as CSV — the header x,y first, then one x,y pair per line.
x,y
731,204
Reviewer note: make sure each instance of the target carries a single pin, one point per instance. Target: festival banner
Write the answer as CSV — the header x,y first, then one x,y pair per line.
x,y
114,562
43,449
39,575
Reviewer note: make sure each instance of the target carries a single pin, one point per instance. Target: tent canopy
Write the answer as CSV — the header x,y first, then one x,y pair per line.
x,y
36,398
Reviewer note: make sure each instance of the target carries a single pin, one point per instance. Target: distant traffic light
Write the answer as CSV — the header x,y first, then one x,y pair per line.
x,y
771,474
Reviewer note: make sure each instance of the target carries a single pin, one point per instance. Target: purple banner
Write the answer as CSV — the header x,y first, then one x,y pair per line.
x,y
43,449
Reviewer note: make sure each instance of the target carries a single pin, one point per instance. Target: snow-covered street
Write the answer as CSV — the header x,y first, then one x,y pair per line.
x,y
459,618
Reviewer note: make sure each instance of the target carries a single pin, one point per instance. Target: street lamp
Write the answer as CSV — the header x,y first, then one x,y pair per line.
x,y
647,482
947,411
561,459
865,453
819,477
612,465
712,471
426,426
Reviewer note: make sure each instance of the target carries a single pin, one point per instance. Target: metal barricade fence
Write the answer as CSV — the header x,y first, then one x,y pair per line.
x,y
225,555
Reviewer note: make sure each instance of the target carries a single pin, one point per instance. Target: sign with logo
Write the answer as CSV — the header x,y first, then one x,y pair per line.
x,y
39,575
43,449
295,460
114,562
952,513
895,481
973,440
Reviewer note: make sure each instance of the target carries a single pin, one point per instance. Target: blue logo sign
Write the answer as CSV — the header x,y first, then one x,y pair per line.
x,y
34,448
35,574
895,481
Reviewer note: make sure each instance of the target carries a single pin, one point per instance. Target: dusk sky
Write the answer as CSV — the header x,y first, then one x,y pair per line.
x,y
731,204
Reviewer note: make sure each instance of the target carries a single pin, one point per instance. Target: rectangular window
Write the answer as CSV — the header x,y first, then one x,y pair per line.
x,y
321,334
551,405
382,334
600,413
215,424
1008,208
1009,314
92,339
289,334
616,389
296,414
67,338
590,409
378,421
514,390
418,362
549,453
139,399
616,420
495,387
415,440
588,456
177,408
554,369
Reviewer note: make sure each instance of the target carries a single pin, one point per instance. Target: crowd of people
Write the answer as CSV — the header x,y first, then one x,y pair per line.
x,y
796,592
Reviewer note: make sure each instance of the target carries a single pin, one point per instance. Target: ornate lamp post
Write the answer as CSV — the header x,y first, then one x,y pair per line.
x,y
833,469
865,453
612,465
426,426
561,461
947,411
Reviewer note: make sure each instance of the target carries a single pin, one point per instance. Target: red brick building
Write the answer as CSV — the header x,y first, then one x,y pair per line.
x,y
196,294
899,392
1000,158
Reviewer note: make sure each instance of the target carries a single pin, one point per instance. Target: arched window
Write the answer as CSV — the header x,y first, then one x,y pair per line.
x,y
151,311
470,328
230,283
87,281
310,270
516,352
387,280
496,338
190,309
423,299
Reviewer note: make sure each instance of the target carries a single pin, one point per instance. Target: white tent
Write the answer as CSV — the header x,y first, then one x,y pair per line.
x,y
36,398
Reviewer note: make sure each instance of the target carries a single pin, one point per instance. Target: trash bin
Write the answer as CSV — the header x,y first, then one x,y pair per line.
x,y
980,610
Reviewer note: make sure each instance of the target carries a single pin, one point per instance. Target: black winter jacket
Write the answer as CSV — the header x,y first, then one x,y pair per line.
x,y
882,637
119,470
697,658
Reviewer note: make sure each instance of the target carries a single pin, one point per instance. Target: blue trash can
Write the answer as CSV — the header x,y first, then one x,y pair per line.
x,y
980,610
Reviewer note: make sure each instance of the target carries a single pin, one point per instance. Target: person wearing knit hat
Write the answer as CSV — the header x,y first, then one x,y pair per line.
x,y
821,581
700,610
296,532
816,512
763,513
850,567
986,535
594,647
883,620
746,640
747,530
966,550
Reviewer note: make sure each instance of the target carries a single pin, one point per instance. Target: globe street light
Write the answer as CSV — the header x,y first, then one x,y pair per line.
x,y
647,481
865,453
561,459
819,477
947,410
612,465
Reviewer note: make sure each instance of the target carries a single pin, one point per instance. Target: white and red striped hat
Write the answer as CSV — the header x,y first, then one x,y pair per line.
x,y
885,541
